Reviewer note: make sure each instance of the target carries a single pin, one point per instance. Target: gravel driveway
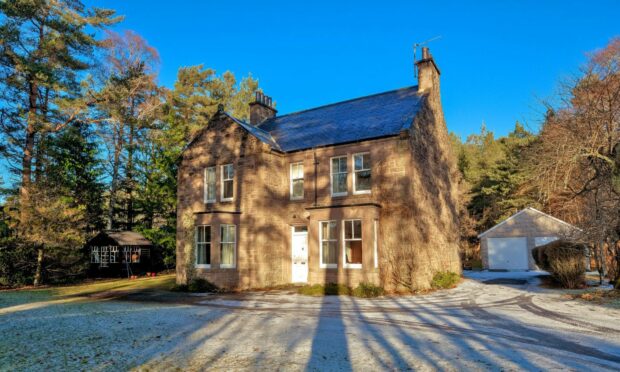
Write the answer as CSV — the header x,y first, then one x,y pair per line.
x,y
475,326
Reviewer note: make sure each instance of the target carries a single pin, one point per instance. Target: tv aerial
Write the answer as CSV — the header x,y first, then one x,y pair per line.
x,y
415,49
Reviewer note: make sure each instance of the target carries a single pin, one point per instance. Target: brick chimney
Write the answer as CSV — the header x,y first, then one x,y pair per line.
x,y
428,73
261,109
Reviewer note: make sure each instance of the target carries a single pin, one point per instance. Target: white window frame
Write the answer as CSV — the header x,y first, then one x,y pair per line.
x,y
234,264
345,240
104,258
331,175
206,186
223,184
291,179
321,264
375,243
357,192
95,255
113,254
196,242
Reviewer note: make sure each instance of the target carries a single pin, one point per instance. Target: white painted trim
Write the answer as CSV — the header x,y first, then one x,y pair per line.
x,y
303,174
197,265
375,243
519,213
331,175
206,187
355,192
293,234
222,182
321,264
234,264
344,253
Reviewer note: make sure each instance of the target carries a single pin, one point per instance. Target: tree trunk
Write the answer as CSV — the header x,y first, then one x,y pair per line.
x,y
114,183
39,269
129,183
24,191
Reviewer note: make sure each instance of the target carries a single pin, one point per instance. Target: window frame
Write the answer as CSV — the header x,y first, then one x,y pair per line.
x,y
95,255
321,264
345,240
206,186
209,243
234,264
375,243
331,175
223,182
291,179
355,191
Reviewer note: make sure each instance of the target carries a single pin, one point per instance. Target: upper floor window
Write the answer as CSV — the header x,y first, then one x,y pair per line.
x,y
297,180
228,189
209,185
361,173
339,175
329,244
203,246
352,243
228,246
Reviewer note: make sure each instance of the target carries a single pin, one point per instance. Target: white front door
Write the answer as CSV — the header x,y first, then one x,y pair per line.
x,y
300,254
508,253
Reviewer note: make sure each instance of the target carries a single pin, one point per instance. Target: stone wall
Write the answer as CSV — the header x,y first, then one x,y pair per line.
x,y
412,199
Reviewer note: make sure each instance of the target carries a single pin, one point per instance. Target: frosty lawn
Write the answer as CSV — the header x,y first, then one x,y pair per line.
x,y
138,324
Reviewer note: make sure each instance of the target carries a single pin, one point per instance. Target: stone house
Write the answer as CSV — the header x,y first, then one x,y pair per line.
x,y
356,191
508,245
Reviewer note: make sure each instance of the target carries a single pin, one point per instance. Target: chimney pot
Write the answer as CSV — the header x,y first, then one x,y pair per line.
x,y
261,109
425,53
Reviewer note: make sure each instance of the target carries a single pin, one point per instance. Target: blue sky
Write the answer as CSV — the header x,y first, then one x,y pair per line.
x,y
498,59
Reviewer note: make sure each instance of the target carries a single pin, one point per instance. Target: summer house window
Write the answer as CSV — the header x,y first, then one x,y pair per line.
x,y
94,256
113,254
329,244
105,256
297,180
203,246
209,185
361,173
339,175
353,243
228,243
228,175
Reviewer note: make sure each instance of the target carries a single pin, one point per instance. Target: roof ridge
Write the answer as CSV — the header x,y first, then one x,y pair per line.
x,y
335,103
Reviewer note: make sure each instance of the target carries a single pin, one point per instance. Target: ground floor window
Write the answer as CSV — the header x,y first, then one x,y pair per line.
x,y
352,243
113,254
203,246
94,255
329,244
228,245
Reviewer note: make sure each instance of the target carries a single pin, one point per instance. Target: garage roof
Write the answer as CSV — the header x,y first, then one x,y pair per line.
x,y
523,211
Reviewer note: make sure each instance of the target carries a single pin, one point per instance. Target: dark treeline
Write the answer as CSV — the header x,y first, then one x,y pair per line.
x,y
91,138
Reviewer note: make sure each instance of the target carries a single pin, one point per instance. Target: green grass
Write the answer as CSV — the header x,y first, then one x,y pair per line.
x,y
365,290
30,295
330,289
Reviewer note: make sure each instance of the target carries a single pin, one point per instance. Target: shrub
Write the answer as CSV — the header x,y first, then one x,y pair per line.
x,y
367,290
564,260
445,280
201,285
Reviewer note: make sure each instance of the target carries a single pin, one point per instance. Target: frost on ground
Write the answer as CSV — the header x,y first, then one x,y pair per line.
x,y
475,326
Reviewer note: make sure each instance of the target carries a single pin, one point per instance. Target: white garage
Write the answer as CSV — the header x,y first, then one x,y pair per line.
x,y
508,245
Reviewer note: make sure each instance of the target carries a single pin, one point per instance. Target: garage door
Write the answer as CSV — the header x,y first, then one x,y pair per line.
x,y
508,253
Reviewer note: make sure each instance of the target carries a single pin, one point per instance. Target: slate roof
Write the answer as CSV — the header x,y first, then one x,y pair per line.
x,y
368,117
125,237
257,132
